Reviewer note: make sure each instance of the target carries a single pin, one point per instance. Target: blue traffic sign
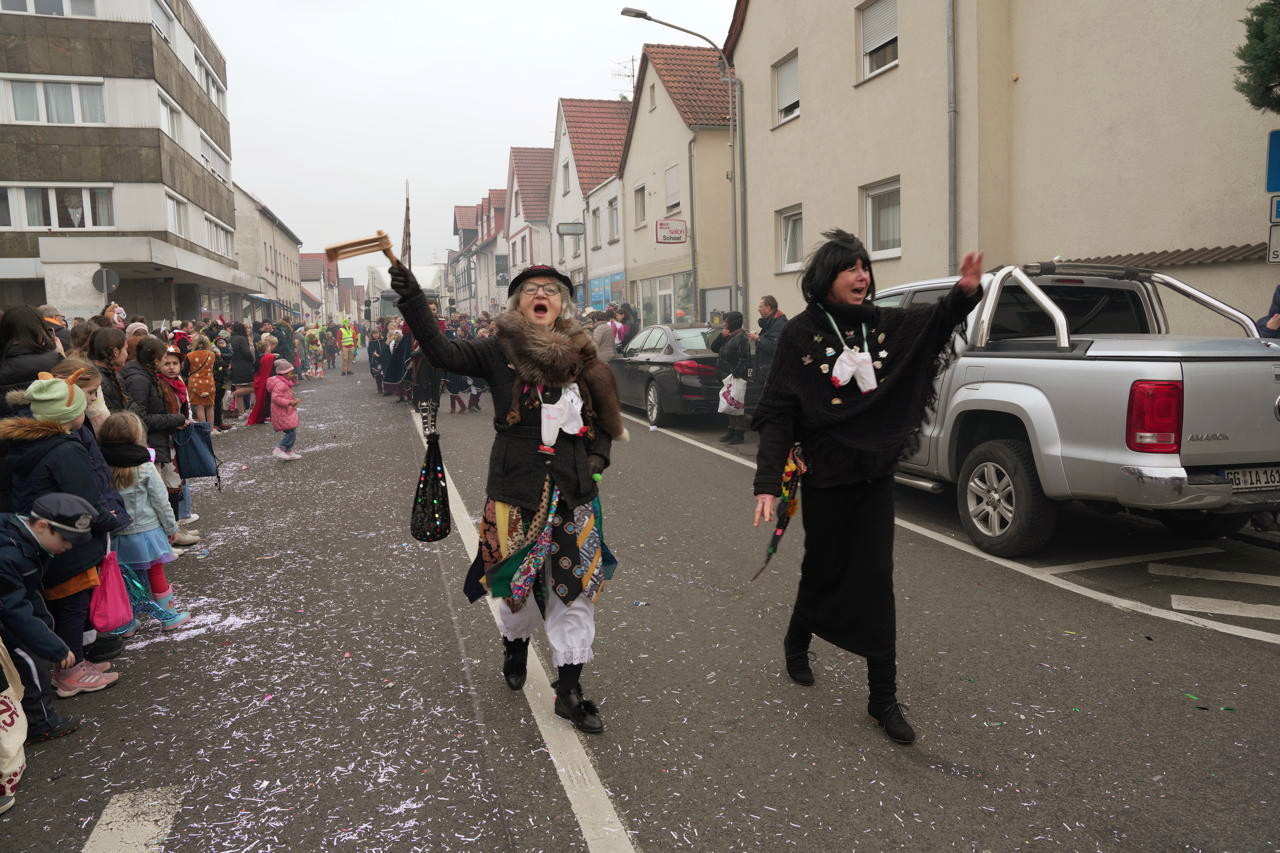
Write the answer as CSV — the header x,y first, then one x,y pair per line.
x,y
1273,162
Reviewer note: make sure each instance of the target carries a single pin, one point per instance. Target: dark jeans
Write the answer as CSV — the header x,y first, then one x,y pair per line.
x,y
37,684
71,618
217,406
287,438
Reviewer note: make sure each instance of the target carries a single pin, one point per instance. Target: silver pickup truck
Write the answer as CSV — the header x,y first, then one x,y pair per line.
x,y
1068,386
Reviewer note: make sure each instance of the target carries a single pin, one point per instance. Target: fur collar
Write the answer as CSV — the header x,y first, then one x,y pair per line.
x,y
556,357
549,357
28,429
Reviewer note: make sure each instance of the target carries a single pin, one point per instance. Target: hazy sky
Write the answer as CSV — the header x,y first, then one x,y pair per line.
x,y
334,105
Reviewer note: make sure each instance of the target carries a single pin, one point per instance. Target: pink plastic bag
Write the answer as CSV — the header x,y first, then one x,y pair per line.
x,y
109,606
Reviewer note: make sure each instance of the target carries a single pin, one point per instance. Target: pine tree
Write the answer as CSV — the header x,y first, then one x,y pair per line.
x,y
1259,77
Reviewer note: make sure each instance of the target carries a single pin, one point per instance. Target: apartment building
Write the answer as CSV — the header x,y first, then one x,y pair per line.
x,y
267,251
1089,130
673,169
115,152
491,253
529,231
588,147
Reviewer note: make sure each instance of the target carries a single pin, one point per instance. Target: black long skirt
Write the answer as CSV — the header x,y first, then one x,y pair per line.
x,y
846,576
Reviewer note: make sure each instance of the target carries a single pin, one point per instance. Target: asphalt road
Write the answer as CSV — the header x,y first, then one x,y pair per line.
x,y
336,691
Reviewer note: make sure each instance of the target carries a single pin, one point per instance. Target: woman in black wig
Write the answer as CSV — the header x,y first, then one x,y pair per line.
x,y
851,383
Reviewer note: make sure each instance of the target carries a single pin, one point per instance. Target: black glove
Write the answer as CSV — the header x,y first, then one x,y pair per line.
x,y
596,464
403,281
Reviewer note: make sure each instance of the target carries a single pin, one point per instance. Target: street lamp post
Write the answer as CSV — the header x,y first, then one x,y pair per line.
x,y
728,76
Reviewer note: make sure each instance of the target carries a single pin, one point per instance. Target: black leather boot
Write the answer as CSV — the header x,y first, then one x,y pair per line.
x,y
739,437
583,713
893,721
795,651
515,660
727,436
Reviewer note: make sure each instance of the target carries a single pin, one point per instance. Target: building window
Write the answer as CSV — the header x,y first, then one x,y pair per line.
x,y
523,256
515,203
170,117
82,8
786,88
884,219
214,160
653,98
220,240
561,255
60,207
177,210
162,19
595,228
577,245
57,103
614,224
879,25
637,205
564,178
790,239
673,188
210,83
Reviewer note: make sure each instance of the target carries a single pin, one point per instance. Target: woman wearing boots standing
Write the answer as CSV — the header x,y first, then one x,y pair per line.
x,y
851,383
556,415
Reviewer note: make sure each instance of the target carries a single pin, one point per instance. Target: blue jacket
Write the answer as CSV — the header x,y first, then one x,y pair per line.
x,y
44,459
147,502
24,618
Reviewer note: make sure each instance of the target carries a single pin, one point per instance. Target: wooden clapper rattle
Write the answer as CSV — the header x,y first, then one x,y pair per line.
x,y
379,242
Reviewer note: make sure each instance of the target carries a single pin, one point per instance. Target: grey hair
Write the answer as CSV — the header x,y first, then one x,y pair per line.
x,y
568,308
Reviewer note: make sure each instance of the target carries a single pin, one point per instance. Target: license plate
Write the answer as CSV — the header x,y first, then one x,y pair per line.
x,y
1253,479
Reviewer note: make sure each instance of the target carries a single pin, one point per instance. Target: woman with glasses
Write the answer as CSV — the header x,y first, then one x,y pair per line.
x,y
556,416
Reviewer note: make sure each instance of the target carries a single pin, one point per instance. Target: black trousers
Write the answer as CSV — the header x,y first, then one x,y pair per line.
x,y
217,405
71,618
37,686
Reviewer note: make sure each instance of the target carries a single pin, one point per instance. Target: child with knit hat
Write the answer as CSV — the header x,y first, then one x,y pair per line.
x,y
43,457
284,410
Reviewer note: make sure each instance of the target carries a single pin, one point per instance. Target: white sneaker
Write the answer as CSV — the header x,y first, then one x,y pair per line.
x,y
189,519
185,538
294,454
280,453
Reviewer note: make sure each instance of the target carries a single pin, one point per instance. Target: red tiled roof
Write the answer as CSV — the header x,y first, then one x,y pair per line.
x,y
736,24
597,132
1182,257
464,216
498,198
532,170
691,76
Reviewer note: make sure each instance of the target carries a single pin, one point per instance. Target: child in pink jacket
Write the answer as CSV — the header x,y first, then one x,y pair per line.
x,y
284,410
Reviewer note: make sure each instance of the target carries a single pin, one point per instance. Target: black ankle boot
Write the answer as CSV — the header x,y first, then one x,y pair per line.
x,y
739,437
891,719
795,651
583,713
515,660
727,436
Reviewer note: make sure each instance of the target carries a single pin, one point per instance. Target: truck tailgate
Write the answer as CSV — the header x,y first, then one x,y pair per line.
x,y
1231,412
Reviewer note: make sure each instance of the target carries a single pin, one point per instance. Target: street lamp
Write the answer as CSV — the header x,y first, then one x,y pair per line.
x,y
728,76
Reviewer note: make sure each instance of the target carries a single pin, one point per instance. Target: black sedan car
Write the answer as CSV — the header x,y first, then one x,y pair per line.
x,y
668,370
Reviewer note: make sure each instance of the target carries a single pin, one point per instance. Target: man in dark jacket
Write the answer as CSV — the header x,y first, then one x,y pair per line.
x,y
734,360
772,321
56,523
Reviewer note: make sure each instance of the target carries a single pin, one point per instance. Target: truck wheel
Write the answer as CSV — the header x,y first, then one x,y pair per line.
x,y
1002,507
1198,524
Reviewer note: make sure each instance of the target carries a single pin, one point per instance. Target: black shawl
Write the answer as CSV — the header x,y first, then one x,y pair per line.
x,y
850,436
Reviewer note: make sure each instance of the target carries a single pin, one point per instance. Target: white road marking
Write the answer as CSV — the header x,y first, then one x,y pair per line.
x,y
136,821
1223,607
1124,561
1048,575
597,818
1212,575
732,457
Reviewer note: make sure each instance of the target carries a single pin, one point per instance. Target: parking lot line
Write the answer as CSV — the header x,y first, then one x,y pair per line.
x,y
1211,574
597,818
1223,607
1124,561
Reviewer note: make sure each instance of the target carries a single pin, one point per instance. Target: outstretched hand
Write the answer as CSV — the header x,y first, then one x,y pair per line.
x,y
403,281
970,272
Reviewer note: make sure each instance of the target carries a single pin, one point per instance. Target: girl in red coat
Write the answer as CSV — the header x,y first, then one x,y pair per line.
x,y
266,367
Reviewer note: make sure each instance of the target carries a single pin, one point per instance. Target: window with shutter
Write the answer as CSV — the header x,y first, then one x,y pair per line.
x,y
879,27
786,87
673,188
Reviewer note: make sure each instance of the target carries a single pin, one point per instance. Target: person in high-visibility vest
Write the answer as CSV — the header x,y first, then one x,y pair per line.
x,y
348,339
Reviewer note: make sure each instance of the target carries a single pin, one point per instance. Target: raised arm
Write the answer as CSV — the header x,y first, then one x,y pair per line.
x,y
465,356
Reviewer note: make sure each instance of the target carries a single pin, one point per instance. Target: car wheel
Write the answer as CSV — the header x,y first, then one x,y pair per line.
x,y
1198,524
1002,507
653,405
